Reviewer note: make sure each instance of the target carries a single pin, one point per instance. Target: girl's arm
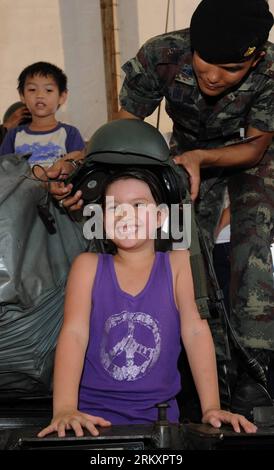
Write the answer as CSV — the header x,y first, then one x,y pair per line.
x,y
199,347
71,349
74,334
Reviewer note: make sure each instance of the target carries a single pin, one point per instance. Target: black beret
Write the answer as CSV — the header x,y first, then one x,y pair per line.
x,y
230,31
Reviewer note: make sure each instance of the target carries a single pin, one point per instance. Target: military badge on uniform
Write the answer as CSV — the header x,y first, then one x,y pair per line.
x,y
249,51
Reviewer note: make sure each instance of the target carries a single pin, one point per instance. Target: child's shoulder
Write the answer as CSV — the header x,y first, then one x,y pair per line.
x,y
13,131
68,127
85,260
73,134
86,257
179,256
179,260
84,267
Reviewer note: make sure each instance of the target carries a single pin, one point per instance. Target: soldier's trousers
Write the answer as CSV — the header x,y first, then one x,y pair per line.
x,y
252,231
252,281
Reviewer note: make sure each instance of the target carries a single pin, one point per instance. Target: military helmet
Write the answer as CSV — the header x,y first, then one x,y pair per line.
x,y
122,144
128,141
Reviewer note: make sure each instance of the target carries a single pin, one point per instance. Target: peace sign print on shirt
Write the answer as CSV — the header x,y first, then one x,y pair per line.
x,y
130,346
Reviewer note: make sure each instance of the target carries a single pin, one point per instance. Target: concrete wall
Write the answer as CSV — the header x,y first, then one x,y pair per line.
x,y
29,31
68,33
80,24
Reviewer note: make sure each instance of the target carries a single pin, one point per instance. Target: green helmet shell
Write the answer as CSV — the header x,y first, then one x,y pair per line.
x,y
128,141
127,144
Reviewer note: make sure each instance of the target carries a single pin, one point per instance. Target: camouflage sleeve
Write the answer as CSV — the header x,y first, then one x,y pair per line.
x,y
261,115
141,91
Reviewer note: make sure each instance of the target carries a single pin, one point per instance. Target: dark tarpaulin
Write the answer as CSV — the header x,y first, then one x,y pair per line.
x,y
33,270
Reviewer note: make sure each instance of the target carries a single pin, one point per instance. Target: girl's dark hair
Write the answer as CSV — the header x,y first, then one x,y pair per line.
x,y
44,69
142,174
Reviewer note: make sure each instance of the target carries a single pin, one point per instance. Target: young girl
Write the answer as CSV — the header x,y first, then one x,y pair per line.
x,y
124,317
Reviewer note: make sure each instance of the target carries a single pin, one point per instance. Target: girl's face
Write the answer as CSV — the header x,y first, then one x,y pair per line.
x,y
131,215
42,96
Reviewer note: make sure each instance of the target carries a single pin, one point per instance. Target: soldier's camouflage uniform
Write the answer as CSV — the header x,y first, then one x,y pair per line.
x,y
163,68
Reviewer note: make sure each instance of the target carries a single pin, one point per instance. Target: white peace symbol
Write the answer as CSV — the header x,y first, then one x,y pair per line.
x,y
128,345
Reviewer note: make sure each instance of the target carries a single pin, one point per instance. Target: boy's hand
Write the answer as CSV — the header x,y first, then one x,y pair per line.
x,y
217,417
75,420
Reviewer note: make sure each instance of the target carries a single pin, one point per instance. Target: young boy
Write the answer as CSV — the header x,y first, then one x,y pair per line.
x,y
43,89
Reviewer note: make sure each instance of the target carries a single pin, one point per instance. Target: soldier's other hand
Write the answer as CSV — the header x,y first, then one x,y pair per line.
x,y
59,190
191,162
73,203
59,171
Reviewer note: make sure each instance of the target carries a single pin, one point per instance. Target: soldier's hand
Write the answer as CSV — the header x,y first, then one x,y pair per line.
x,y
73,203
59,190
191,161
60,170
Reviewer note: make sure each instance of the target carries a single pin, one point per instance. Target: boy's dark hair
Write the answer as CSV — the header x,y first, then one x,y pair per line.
x,y
44,69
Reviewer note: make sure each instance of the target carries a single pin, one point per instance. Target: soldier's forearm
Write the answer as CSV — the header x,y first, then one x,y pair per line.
x,y
245,155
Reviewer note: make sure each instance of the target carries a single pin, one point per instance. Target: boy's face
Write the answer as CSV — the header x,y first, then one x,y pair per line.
x,y
214,79
42,96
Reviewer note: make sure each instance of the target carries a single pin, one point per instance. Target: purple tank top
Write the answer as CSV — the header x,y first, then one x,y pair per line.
x,y
128,367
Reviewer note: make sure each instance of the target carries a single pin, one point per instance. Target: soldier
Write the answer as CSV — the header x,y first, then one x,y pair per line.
x,y
217,80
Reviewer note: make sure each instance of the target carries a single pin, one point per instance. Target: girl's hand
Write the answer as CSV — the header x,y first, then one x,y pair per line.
x,y
75,420
217,417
